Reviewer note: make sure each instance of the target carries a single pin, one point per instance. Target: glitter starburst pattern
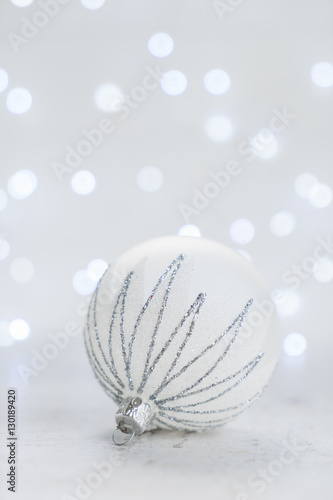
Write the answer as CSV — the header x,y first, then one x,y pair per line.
x,y
188,392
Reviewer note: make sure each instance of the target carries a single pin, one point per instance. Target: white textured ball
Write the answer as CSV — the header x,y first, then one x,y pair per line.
x,y
181,333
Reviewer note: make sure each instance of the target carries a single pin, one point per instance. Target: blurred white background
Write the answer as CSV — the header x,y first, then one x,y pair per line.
x,y
126,120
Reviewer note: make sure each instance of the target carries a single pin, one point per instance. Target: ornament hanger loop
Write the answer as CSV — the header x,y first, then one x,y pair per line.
x,y
120,443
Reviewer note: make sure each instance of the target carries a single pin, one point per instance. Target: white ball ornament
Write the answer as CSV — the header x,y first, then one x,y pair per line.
x,y
181,333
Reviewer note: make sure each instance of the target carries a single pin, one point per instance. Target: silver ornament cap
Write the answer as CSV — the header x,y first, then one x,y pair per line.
x,y
133,417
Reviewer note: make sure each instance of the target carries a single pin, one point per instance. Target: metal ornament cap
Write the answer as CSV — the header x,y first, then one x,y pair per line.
x,y
134,415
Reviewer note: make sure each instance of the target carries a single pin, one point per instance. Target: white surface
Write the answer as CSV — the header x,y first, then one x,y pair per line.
x,y
65,424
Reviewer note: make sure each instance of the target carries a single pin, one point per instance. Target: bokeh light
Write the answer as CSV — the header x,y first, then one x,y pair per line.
x,y
322,74
3,199
160,45
5,337
22,184
19,100
82,283
83,182
320,195
108,98
96,268
218,128
21,3
4,80
173,82
19,329
282,223
264,144
217,82
304,183
189,230
287,303
323,270
149,179
4,249
92,4
21,270
294,344
242,231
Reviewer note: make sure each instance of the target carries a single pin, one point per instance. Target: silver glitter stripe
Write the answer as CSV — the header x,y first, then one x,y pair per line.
x,y
138,321
213,398
188,335
122,313
99,371
198,302
224,355
111,368
189,428
91,353
102,379
198,391
210,412
207,424
117,398
166,381
170,426
158,322
122,294
216,423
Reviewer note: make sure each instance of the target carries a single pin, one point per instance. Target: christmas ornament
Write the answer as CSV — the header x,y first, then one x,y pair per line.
x,y
181,334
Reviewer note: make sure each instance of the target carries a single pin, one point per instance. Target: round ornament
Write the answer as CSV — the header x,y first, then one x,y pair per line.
x,y
182,335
